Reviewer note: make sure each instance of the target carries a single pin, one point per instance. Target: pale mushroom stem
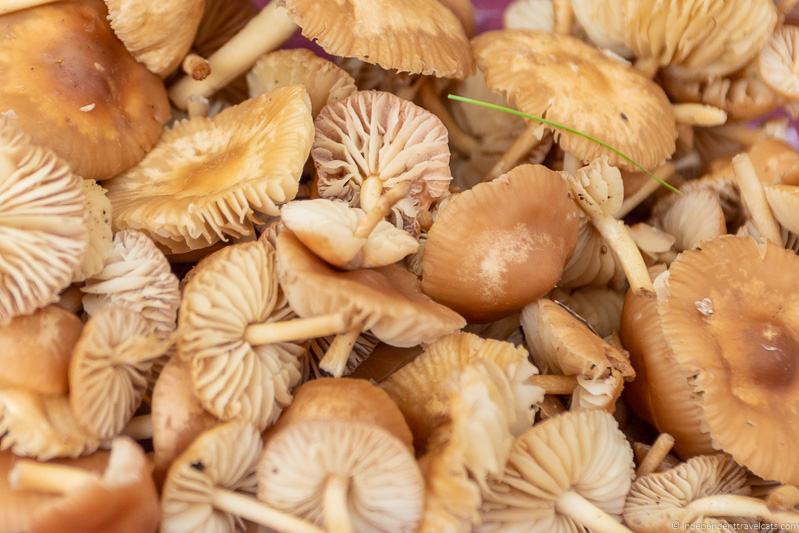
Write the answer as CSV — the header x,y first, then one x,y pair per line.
x,y
297,329
728,505
199,106
268,30
588,515
458,138
338,353
699,115
9,6
663,173
525,142
336,509
381,209
555,384
139,428
659,450
48,478
564,16
196,66
255,511
754,199
371,191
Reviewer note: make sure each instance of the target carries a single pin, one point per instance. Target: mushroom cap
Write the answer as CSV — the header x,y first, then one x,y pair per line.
x,y
43,427
420,387
387,301
566,80
230,290
325,81
694,217
43,228
137,276
483,243
352,400
745,357
529,15
603,22
98,207
580,451
78,91
110,369
327,228
158,34
775,162
208,177
378,134
35,350
784,203
224,457
123,500
591,264
657,500
464,10
778,59
386,489
415,36
600,307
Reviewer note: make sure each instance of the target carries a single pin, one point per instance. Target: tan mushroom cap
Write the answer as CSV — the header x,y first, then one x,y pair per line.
x,y
158,34
563,79
43,229
379,138
98,207
388,301
778,62
775,162
325,81
415,36
137,276
484,243
207,178
232,378
385,489
35,350
77,90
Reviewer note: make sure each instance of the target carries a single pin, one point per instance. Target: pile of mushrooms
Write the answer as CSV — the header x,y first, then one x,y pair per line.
x,y
248,287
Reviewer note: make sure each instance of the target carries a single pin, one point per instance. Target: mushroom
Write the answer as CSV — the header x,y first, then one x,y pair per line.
x,y
603,22
741,360
236,332
98,207
708,490
387,301
529,15
569,472
209,487
777,62
521,219
375,141
655,455
43,228
109,370
694,217
207,178
464,10
122,500
784,203
35,350
325,81
600,307
136,276
77,91
362,349
754,198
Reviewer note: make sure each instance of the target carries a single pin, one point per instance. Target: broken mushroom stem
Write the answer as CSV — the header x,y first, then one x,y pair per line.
x,y
28,475
10,6
337,517
525,142
335,359
727,505
754,199
258,512
139,428
587,514
382,207
555,384
564,16
699,115
458,138
297,329
198,106
196,66
659,450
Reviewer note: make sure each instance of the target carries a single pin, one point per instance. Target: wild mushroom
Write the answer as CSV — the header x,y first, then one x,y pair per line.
x,y
778,62
694,217
521,219
98,207
209,487
603,22
754,199
43,228
77,91
362,349
600,307
784,202
529,15
207,178
570,471
123,499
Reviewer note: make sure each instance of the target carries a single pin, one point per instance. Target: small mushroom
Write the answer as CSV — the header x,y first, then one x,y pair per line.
x,y
778,62
122,500
694,217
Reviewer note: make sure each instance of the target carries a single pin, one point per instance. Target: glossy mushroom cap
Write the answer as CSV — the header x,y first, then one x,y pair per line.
x,y
501,244
77,90
207,178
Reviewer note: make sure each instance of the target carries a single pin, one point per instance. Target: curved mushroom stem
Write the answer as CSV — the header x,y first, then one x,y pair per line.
x,y
198,106
10,6
648,66
381,209
338,353
50,478
659,450
699,115
564,16
555,384
525,142
196,66
587,514
268,30
722,505
754,199
139,428
336,510
297,329
258,512
458,138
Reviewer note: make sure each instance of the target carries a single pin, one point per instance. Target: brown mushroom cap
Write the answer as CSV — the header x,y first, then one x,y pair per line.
x,y
35,350
606,98
743,356
416,36
481,250
43,230
77,90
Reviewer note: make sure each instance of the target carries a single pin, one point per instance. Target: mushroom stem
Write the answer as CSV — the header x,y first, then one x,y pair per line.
x,y
659,450
525,142
338,353
462,141
49,478
648,66
196,66
754,199
255,511
663,173
337,516
10,6
783,498
555,384
139,428
722,505
268,30
381,209
587,514
297,329
371,191
564,16
198,106
551,406
699,115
